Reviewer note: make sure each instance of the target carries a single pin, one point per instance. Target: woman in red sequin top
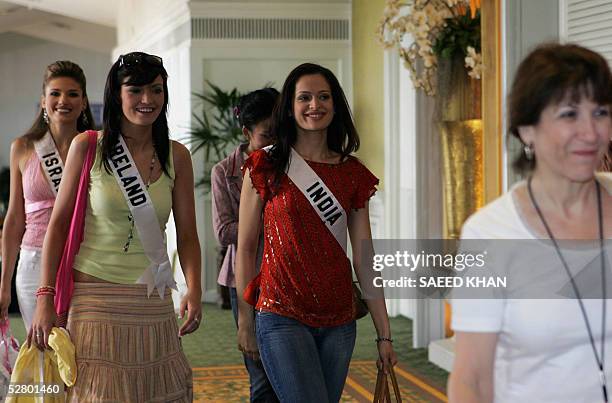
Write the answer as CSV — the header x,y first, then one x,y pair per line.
x,y
305,315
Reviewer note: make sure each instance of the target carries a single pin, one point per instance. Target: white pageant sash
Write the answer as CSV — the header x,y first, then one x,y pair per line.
x,y
322,200
50,160
159,274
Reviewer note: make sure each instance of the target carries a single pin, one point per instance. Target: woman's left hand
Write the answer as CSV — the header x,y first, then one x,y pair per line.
x,y
386,356
193,304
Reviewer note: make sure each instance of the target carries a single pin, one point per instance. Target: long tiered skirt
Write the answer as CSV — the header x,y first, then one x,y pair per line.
x,y
127,346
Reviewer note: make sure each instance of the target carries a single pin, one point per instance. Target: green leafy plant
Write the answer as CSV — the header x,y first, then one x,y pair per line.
x,y
215,128
459,33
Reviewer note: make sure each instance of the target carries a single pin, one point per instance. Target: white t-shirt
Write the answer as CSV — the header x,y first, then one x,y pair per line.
x,y
543,353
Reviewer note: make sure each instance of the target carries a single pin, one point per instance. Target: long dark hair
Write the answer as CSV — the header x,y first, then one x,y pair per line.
x,y
548,74
62,68
138,74
606,165
342,136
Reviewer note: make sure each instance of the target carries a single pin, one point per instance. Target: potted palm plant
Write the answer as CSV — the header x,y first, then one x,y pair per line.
x,y
215,129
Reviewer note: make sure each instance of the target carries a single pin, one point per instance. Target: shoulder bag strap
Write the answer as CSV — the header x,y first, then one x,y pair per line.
x,y
64,281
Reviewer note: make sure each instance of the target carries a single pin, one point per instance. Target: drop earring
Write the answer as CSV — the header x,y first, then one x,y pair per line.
x,y
529,152
45,116
84,118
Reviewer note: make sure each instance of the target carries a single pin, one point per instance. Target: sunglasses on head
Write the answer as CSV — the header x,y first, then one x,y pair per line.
x,y
138,58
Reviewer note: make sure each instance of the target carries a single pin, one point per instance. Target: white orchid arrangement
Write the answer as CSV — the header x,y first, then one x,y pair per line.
x,y
426,30
473,62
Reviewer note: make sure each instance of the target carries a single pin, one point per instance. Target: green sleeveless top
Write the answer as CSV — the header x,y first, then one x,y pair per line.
x,y
107,225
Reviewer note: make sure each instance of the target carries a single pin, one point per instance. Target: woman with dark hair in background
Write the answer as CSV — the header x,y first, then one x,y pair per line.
x,y
36,170
253,113
310,190
606,166
522,349
121,316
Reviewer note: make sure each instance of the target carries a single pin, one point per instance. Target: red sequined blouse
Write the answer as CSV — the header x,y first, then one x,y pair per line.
x,y
305,274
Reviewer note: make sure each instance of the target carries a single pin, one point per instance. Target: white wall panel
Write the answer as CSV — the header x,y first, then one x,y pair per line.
x,y
588,23
527,24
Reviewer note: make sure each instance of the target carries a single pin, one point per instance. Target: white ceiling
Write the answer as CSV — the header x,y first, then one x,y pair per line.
x,y
87,24
96,11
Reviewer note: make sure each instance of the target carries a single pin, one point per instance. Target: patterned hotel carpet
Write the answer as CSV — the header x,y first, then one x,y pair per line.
x,y
219,375
231,384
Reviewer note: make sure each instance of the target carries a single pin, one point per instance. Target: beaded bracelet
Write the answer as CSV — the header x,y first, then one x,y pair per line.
x,y
45,290
379,339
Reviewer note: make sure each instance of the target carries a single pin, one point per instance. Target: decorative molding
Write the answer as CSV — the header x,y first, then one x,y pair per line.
x,y
209,249
428,171
392,142
526,24
563,20
245,49
266,29
442,353
504,92
492,97
377,215
211,296
399,200
428,322
306,10
267,21
429,313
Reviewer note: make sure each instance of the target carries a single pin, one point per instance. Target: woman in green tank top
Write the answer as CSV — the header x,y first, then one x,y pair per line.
x,y
122,273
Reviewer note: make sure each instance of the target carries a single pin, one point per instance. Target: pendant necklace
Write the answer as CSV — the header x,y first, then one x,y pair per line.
x,y
599,358
126,246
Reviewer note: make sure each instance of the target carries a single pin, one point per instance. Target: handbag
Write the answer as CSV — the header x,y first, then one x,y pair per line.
x,y
382,394
64,282
9,349
359,304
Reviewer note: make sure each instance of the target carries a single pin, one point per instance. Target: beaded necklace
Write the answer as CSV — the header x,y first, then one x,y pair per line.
x,y
126,246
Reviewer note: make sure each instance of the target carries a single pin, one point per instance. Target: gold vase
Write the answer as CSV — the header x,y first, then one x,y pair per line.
x,y
463,172
458,111
459,95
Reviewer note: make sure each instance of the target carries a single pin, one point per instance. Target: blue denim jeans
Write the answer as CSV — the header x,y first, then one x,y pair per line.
x,y
261,389
305,364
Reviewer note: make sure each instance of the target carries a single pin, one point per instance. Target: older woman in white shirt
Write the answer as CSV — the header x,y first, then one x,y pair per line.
x,y
544,350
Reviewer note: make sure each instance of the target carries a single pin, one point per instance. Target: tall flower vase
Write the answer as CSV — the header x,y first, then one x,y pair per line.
x,y
463,171
458,113
459,121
